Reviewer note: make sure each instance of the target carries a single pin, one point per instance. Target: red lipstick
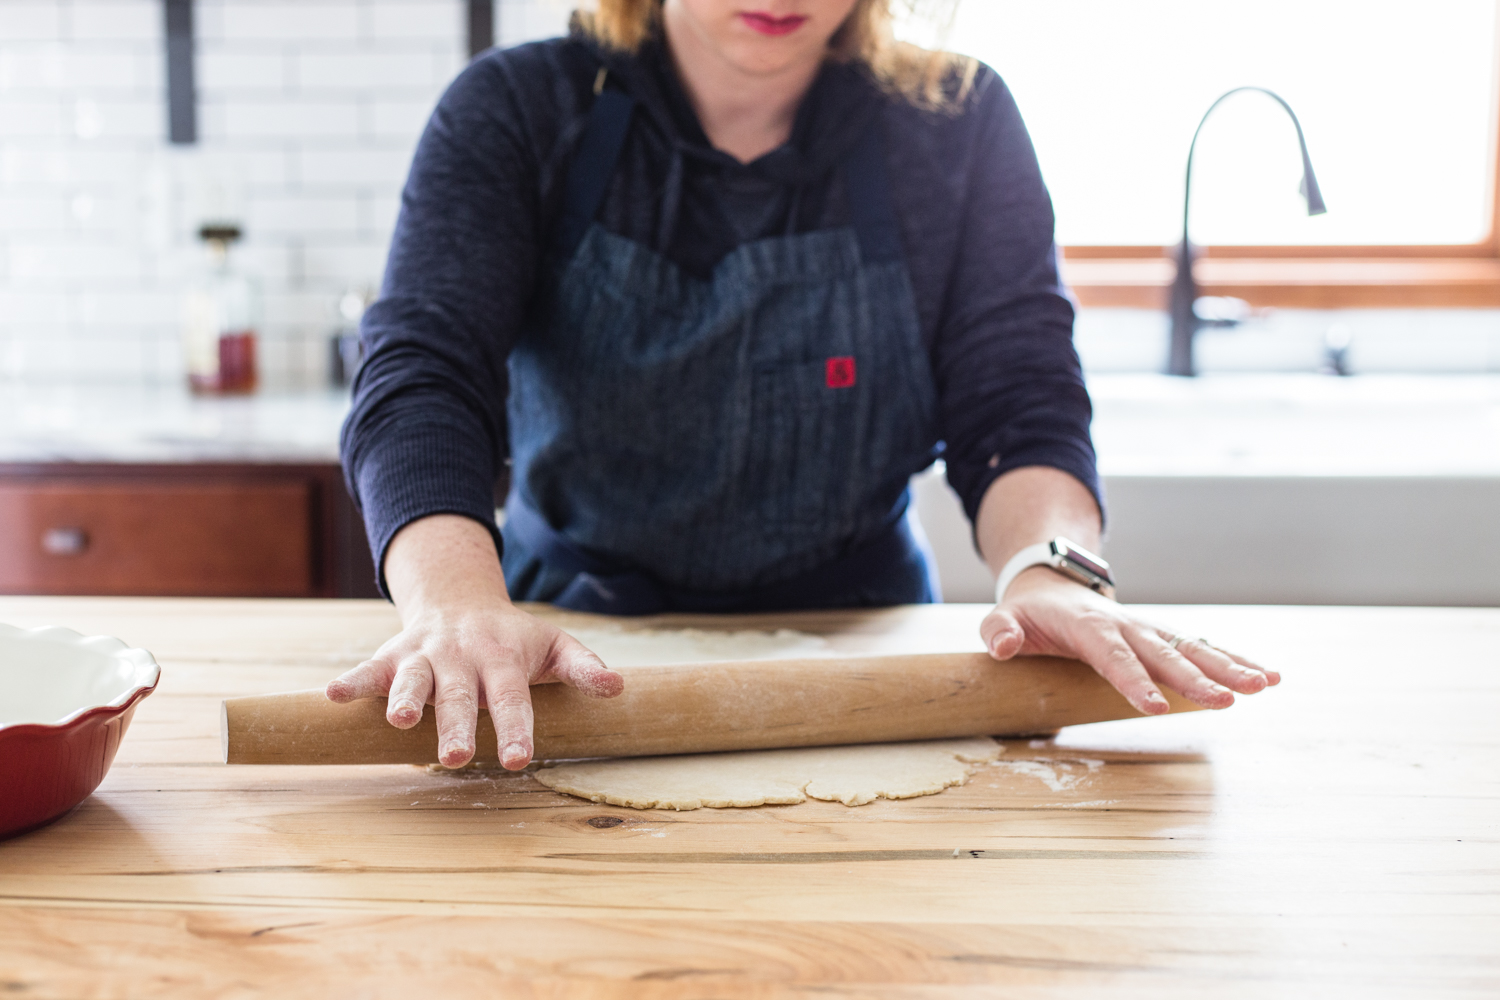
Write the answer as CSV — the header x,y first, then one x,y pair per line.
x,y
770,24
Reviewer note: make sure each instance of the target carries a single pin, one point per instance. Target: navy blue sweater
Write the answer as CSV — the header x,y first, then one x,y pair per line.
x,y
427,432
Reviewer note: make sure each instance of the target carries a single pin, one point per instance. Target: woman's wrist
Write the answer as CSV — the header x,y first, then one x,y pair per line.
x,y
443,563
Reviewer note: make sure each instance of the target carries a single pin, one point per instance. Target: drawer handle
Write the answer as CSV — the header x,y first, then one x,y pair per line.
x,y
65,541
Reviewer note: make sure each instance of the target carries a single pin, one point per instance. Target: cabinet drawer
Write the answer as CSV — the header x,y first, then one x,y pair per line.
x,y
219,538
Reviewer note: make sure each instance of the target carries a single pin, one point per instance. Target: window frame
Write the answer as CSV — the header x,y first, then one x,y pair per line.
x,y
1463,275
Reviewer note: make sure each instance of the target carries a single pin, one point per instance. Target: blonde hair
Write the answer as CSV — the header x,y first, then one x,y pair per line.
x,y
929,78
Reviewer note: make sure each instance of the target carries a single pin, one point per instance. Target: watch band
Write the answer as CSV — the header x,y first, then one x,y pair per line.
x,y
1073,561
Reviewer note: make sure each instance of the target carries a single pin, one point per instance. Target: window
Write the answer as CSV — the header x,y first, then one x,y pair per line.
x,y
1398,101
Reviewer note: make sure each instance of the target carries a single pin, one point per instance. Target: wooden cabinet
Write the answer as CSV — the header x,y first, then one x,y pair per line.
x,y
190,530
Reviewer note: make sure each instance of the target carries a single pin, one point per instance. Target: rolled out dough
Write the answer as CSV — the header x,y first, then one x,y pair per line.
x,y
853,775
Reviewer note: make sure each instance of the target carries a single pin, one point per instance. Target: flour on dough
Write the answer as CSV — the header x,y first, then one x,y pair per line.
x,y
853,775
619,647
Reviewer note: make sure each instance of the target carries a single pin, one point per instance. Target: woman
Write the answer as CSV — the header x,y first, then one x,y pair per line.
x,y
741,268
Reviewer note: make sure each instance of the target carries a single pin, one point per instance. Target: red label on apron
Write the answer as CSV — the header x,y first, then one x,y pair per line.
x,y
840,373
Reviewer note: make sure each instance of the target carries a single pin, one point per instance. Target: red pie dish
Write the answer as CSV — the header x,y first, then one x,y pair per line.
x,y
65,703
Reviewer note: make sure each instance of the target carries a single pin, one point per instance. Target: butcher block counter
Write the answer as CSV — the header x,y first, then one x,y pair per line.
x,y
1338,835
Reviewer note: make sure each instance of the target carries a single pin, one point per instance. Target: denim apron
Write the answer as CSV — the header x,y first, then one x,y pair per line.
x,y
736,443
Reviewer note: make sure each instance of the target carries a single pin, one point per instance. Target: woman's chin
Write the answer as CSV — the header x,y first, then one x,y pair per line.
x,y
761,56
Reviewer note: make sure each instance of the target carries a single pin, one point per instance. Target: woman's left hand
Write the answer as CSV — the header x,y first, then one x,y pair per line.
x,y
1046,614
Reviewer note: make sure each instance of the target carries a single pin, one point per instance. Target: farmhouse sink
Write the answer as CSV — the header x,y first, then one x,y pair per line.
x,y
1283,489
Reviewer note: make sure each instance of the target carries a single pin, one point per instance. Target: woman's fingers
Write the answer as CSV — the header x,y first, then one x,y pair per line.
x,y
1002,634
575,664
456,706
370,679
508,694
409,691
1233,671
1110,655
1272,677
1171,667
1221,667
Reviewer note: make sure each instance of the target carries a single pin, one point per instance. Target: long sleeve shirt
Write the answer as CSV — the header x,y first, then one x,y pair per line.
x,y
427,431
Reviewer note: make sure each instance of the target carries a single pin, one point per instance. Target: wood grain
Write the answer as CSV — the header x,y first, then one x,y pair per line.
x,y
1336,836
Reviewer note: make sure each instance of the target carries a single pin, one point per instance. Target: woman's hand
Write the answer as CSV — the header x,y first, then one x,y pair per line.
x,y
458,658
463,644
1044,613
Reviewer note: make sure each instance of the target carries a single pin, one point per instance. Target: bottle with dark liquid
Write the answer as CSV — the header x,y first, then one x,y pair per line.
x,y
220,318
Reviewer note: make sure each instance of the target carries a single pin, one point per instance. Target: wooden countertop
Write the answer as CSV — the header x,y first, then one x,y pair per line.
x,y
1339,835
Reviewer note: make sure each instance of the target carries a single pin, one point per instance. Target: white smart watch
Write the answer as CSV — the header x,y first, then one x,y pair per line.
x,y
1072,561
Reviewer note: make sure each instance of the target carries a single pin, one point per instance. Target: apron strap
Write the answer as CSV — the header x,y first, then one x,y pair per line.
x,y
592,167
866,181
867,189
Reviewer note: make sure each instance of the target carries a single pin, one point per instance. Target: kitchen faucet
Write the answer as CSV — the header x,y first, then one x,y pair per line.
x,y
1186,322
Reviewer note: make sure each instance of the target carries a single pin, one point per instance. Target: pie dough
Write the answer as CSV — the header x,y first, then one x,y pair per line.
x,y
853,775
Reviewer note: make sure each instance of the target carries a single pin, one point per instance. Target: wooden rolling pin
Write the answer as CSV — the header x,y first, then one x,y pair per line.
x,y
708,707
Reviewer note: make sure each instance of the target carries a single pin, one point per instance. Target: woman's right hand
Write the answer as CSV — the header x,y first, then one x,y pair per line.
x,y
463,644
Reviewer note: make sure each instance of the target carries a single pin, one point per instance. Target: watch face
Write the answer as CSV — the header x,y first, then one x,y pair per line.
x,y
1082,558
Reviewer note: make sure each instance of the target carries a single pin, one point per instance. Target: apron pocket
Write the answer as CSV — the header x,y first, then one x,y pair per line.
x,y
806,419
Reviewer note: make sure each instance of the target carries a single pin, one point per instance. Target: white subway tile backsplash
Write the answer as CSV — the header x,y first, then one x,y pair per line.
x,y
391,119
116,20
308,113
383,166
31,20
52,66
288,216
274,260
289,22
439,20
447,62
99,212
291,119
265,169
529,20
380,213
30,163
58,260
368,70
224,67
351,264
275,359
122,308
112,355
151,68
23,307
46,353
107,118
31,67
34,213
31,117
116,68
308,311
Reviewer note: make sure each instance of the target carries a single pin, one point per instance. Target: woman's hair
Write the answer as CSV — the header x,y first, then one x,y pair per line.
x,y
931,79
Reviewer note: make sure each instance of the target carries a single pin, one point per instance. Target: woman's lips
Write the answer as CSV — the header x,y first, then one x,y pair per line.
x,y
770,24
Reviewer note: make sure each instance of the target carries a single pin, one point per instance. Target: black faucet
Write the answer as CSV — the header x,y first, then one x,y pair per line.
x,y
1185,320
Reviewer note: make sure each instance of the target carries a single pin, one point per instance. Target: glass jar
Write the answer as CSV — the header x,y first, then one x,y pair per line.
x,y
220,318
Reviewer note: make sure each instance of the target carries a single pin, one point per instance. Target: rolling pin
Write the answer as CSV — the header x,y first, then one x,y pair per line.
x,y
700,708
